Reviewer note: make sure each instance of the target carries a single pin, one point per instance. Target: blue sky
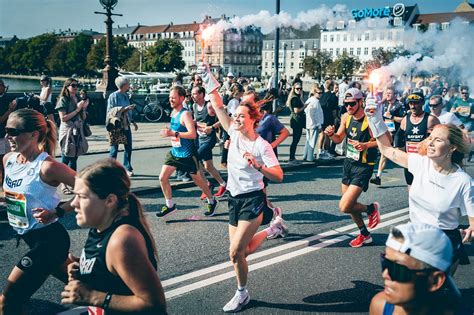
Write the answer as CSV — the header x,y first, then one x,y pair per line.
x,y
26,18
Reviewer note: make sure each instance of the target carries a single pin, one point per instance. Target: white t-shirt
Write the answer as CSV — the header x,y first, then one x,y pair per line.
x,y
437,199
314,113
449,118
243,178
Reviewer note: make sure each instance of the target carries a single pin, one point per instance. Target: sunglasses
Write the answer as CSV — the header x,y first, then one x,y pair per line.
x,y
14,131
435,105
464,92
74,85
400,273
350,104
297,89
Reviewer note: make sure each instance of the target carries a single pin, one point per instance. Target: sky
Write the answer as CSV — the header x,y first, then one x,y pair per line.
x,y
27,18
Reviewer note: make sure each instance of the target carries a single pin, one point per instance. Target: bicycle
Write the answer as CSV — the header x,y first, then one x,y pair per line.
x,y
153,109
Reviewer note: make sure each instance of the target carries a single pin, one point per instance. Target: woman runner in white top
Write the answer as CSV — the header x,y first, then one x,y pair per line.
x,y
31,178
250,159
442,191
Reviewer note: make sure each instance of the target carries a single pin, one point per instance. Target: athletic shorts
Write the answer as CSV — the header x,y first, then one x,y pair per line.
x,y
408,176
248,206
49,247
187,164
459,251
205,146
355,173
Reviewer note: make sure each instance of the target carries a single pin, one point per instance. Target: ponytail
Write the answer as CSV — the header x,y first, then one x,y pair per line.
x,y
135,212
48,143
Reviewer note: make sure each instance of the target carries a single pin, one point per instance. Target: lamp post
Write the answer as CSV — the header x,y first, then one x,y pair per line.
x,y
109,73
275,58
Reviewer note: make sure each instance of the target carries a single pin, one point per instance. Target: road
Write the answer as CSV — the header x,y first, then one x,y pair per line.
x,y
313,270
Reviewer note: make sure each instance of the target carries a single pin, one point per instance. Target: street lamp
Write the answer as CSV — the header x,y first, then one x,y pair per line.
x,y
109,73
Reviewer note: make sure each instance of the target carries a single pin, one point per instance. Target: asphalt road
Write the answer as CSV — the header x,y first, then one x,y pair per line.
x,y
313,270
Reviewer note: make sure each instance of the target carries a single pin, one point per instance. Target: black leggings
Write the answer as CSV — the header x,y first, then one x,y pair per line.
x,y
297,132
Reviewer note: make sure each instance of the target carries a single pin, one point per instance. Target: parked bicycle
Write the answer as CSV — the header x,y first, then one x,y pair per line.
x,y
153,109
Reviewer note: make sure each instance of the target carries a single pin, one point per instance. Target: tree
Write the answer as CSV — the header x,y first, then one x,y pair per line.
x,y
96,56
56,61
38,49
317,65
77,51
165,55
15,57
345,65
133,63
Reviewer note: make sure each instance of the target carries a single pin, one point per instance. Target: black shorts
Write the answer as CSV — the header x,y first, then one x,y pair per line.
x,y
356,173
248,206
408,176
205,146
459,251
188,164
49,247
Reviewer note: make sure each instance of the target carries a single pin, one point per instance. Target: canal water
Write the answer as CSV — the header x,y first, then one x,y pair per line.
x,y
33,85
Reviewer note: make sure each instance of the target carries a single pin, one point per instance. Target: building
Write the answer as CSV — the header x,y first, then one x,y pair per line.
x,y
236,51
442,21
125,31
370,29
186,35
7,41
145,36
295,45
68,35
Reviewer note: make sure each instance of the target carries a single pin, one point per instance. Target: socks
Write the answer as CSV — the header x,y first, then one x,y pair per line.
x,y
364,231
241,290
370,209
211,201
379,173
169,203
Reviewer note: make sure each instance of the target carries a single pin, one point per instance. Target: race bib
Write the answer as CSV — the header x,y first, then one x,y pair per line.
x,y
390,125
175,142
464,110
93,310
412,147
201,127
352,152
16,210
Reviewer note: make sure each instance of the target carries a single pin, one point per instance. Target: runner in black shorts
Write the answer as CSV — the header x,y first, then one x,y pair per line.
x,y
250,159
182,156
30,186
358,165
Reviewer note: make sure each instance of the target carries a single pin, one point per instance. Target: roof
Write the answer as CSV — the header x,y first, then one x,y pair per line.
x,y
124,30
176,28
155,29
443,17
291,33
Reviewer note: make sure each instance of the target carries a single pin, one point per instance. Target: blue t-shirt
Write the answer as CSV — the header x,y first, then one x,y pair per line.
x,y
269,127
121,100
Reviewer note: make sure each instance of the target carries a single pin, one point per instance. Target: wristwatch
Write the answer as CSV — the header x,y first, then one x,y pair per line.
x,y
176,134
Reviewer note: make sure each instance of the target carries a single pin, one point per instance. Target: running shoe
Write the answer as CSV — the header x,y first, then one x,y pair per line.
x,y
211,208
280,227
294,162
237,302
165,211
130,173
221,191
374,217
376,180
360,240
203,195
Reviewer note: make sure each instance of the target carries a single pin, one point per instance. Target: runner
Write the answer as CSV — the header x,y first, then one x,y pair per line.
x,y
207,124
436,107
250,159
415,127
442,191
358,164
415,269
182,134
31,180
117,268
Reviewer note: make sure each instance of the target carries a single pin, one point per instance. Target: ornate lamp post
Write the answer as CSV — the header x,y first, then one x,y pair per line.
x,y
109,73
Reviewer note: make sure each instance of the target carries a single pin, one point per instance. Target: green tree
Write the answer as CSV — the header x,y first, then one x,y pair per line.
x,y
133,63
16,58
56,61
77,51
38,49
121,53
317,65
165,55
345,65
380,57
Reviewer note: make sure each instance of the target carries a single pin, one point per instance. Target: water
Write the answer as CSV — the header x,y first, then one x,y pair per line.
x,y
32,85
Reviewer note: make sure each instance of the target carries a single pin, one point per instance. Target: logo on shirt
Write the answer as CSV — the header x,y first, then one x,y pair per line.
x,y
415,130
13,183
437,185
353,132
86,265
26,262
31,172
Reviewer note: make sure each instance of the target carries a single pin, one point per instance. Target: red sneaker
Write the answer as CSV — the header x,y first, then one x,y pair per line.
x,y
220,192
360,240
374,218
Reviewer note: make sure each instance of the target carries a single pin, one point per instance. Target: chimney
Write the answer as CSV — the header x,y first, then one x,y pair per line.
x,y
223,17
126,25
171,23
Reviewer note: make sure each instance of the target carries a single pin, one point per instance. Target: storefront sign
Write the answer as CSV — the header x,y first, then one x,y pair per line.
x,y
397,10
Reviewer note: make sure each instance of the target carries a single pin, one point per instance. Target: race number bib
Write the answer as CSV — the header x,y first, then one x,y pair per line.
x,y
175,142
16,210
390,125
201,127
352,152
464,111
412,147
93,310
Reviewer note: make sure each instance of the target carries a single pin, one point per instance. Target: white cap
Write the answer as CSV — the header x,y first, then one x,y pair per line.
x,y
230,74
424,242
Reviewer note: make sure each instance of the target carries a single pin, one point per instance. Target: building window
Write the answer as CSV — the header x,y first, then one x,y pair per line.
x,y
315,44
398,36
359,37
344,50
340,25
382,35
338,38
331,38
292,45
397,21
373,50
367,36
302,54
330,25
325,50
266,45
292,65
366,51
292,55
351,51
338,51
389,35
352,23
325,38
352,37
300,65
331,51
359,51
444,26
344,38
433,26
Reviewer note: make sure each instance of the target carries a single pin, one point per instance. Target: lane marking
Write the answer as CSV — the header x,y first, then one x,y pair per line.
x,y
273,250
311,248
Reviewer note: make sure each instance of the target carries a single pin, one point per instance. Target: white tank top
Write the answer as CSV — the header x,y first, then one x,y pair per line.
x,y
44,90
25,190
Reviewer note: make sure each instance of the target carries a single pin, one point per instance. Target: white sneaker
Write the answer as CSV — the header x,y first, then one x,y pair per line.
x,y
280,227
130,173
325,156
237,302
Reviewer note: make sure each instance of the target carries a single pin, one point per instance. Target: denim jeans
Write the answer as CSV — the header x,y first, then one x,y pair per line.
x,y
311,139
127,156
69,161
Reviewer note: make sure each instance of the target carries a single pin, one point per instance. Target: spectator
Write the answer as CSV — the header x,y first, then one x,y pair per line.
x,y
329,104
297,119
314,121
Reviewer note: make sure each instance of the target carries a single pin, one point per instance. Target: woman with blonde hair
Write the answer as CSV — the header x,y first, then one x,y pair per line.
x,y
117,268
314,121
297,118
441,191
31,179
